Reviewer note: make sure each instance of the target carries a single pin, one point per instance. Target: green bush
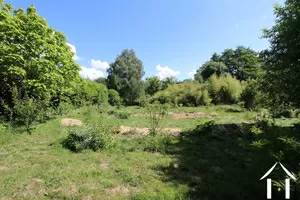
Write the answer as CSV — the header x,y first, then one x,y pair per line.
x,y
224,89
114,98
119,115
249,94
87,92
205,127
155,113
187,94
88,137
63,108
143,101
27,111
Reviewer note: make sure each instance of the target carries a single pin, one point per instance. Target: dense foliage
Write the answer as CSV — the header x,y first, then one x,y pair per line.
x,y
124,76
242,63
34,57
153,85
184,94
224,89
88,137
282,69
114,98
208,69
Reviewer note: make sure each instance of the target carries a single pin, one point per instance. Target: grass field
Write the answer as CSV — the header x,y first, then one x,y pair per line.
x,y
221,160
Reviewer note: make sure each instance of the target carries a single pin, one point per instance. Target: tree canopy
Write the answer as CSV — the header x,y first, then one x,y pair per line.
x,y
282,68
124,76
242,63
208,69
33,56
153,85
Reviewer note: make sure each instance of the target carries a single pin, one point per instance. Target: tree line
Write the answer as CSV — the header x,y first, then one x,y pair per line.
x,y
38,72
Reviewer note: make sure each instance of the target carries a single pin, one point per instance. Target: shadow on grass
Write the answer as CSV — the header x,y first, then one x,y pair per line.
x,y
227,161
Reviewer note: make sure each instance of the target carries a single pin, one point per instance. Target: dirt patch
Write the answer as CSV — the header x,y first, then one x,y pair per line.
x,y
145,131
68,168
131,130
104,165
214,114
87,198
171,131
192,115
37,180
196,115
4,168
118,190
73,188
71,122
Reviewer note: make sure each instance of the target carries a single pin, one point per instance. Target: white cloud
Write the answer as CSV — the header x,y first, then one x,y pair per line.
x,y
192,73
98,64
90,73
73,49
164,72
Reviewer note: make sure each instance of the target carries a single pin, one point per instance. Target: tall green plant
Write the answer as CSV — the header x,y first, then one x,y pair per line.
x,y
156,113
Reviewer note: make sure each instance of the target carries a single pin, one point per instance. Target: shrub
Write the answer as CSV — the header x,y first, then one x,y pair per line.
x,y
63,108
27,111
249,94
87,92
155,114
206,127
143,101
187,94
114,98
224,89
119,115
94,138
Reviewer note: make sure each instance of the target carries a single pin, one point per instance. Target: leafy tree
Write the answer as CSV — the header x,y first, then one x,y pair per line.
x,y
101,80
188,81
34,57
114,98
153,85
88,92
281,72
215,57
198,77
243,63
124,76
169,81
250,94
208,69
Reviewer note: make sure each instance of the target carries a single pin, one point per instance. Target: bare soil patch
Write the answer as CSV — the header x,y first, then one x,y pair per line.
x,y
71,122
195,115
104,165
118,190
146,131
4,168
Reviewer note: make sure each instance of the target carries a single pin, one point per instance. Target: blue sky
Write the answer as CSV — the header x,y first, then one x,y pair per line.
x,y
180,34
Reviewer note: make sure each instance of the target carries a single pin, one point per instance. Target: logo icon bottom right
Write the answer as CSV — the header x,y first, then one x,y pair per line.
x,y
287,181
